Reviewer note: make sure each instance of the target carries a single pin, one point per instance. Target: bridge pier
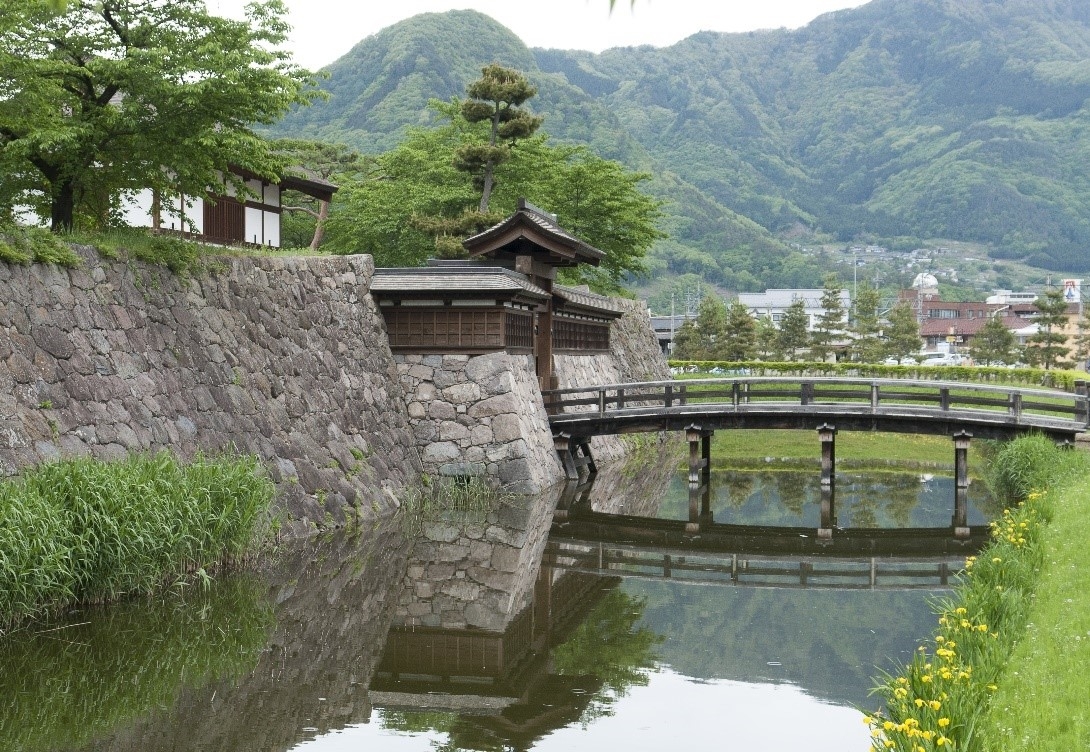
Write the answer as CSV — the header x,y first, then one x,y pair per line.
x,y
828,511
961,484
827,434
700,455
700,506
574,454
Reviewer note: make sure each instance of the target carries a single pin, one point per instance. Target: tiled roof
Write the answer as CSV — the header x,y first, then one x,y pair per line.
x,y
586,299
528,213
454,279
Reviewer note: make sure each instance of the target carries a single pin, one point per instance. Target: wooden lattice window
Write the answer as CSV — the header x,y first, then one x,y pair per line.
x,y
224,220
519,331
444,329
580,336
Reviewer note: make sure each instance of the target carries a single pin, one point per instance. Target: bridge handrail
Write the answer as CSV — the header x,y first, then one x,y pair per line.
x,y
675,392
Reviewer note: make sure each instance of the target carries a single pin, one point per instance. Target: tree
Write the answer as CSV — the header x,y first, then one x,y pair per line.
x,y
702,338
415,194
332,162
740,340
830,323
867,347
994,343
794,334
767,341
122,95
1046,348
903,335
1082,338
496,98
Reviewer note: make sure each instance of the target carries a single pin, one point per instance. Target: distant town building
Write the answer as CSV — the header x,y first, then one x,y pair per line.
x,y
774,302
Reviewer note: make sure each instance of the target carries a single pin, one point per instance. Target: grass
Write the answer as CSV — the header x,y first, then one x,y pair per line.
x,y
463,498
23,245
956,692
84,531
1042,702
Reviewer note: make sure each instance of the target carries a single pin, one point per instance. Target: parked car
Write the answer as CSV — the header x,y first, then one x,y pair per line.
x,y
942,359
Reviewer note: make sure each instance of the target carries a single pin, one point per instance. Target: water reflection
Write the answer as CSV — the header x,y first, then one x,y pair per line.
x,y
498,631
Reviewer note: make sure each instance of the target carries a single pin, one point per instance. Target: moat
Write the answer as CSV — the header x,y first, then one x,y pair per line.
x,y
477,631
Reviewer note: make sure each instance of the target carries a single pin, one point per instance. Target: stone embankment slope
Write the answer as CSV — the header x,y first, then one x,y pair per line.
x,y
285,358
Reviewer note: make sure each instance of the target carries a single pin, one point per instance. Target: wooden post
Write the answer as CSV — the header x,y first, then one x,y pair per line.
x,y
827,434
668,397
699,507
807,397
874,397
1082,408
828,511
562,443
699,454
961,484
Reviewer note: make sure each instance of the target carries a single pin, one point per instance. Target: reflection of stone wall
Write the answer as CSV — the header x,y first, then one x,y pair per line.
x,y
479,573
480,416
285,358
333,604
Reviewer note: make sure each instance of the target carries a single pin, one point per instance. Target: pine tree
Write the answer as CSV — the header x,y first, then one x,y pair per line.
x,y
903,335
994,343
740,340
767,339
497,98
702,338
794,334
867,347
1046,348
830,324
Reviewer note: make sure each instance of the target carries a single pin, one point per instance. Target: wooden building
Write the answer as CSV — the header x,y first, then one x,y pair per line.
x,y
224,215
504,297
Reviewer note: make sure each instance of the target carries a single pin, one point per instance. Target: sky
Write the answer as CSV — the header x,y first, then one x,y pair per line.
x,y
324,30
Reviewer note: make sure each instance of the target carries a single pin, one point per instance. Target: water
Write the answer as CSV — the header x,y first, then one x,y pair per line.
x,y
483,634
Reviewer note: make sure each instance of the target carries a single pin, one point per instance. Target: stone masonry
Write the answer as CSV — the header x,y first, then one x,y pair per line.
x,y
283,358
480,416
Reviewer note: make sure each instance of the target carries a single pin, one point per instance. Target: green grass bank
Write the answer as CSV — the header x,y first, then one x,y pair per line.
x,y
86,531
1004,670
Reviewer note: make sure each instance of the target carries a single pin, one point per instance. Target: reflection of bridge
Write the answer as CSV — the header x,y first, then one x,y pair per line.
x,y
698,566
700,407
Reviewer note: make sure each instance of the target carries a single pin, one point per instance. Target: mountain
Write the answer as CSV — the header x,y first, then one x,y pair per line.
x,y
957,119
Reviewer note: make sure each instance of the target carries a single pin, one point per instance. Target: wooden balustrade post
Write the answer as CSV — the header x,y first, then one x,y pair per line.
x,y
828,511
873,396
807,396
1082,405
668,398
602,402
944,398
700,442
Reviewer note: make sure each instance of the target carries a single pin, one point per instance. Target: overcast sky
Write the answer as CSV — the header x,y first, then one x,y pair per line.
x,y
323,30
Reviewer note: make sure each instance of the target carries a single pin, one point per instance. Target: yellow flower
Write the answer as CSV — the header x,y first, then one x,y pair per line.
x,y
934,704
919,703
941,741
944,722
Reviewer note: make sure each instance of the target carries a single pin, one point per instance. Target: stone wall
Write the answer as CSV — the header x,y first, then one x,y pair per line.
x,y
480,416
634,356
283,358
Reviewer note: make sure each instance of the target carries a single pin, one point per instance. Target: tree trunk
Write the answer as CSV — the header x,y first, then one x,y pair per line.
x,y
63,207
486,191
319,226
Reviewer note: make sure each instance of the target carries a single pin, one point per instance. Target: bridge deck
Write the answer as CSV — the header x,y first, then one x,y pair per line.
x,y
850,404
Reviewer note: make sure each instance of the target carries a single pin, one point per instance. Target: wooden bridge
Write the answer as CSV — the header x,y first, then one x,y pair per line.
x,y
699,407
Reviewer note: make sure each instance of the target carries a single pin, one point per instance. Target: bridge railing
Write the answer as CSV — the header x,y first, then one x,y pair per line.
x,y
872,394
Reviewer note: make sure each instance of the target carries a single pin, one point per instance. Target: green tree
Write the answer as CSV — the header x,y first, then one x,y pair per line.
x,y
767,341
1082,337
903,334
1046,347
123,95
830,324
415,194
994,343
740,340
867,345
495,98
794,334
331,162
702,338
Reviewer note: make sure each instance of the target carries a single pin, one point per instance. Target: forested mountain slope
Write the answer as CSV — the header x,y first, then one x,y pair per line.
x,y
960,119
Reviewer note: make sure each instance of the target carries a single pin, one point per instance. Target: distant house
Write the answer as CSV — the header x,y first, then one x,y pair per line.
x,y
773,303
224,216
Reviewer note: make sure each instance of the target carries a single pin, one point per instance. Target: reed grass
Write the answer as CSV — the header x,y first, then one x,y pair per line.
x,y
940,698
85,531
